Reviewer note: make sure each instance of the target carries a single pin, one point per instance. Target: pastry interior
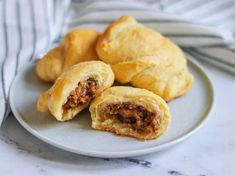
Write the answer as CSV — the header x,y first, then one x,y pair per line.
x,y
85,91
130,116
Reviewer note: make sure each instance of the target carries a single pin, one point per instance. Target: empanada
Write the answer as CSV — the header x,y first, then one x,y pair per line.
x,y
75,88
144,58
50,66
129,111
77,46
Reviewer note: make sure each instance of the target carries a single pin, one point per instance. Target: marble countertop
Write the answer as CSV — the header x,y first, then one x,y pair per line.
x,y
210,152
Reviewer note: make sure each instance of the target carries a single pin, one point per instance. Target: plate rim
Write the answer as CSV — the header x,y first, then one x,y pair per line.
x,y
121,154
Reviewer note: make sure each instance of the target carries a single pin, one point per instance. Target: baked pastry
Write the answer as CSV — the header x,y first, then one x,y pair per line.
x,y
129,111
50,66
77,46
144,58
75,88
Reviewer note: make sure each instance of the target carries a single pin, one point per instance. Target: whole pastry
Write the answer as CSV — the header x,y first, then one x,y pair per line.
x,y
145,58
50,66
74,89
129,111
77,46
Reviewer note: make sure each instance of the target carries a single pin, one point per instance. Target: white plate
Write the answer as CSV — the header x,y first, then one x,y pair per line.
x,y
188,114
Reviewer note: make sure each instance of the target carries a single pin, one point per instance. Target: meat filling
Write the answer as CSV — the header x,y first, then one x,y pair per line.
x,y
136,115
83,93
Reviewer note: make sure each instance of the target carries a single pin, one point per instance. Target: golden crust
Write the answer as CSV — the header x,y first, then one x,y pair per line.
x,y
77,46
56,96
42,101
144,58
50,66
168,86
121,94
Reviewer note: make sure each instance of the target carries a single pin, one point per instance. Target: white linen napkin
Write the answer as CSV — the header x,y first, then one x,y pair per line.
x,y
203,28
27,28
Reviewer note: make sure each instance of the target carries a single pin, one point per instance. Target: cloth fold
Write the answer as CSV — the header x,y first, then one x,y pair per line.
x,y
28,28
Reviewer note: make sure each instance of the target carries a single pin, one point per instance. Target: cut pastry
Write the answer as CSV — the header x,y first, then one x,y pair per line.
x,y
77,46
129,111
144,58
74,89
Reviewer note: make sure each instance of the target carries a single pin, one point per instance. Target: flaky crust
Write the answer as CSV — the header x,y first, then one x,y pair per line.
x,y
50,66
77,46
53,99
144,58
121,94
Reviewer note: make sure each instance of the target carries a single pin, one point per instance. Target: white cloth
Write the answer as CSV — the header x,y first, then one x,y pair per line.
x,y
27,28
204,28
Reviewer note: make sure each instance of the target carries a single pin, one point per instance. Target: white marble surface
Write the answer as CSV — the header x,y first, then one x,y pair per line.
x,y
209,152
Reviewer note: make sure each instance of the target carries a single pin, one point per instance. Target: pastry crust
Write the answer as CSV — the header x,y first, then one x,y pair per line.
x,y
144,58
77,46
101,119
54,99
50,66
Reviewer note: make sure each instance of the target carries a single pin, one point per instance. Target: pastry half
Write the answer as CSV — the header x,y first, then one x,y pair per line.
x,y
143,57
74,89
77,46
129,111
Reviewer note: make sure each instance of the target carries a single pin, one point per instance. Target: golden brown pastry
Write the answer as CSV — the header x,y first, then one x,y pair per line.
x,y
75,88
77,46
129,111
50,66
144,58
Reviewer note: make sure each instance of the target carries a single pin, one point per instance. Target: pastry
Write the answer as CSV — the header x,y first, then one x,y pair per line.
x,y
145,58
50,66
77,46
75,88
129,111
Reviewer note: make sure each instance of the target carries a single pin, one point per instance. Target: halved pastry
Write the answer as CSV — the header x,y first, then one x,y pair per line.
x,y
145,58
77,46
129,111
74,89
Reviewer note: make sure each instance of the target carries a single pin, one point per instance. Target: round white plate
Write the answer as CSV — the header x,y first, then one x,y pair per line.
x,y
188,114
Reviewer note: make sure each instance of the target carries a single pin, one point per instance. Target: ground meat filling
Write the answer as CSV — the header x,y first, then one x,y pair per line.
x,y
138,116
83,93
